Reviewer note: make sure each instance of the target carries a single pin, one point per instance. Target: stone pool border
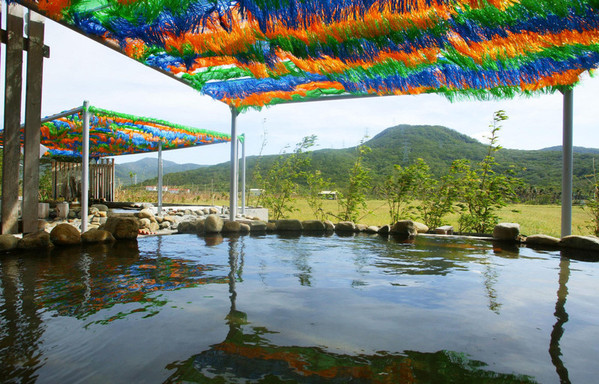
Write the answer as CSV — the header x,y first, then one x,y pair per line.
x,y
108,227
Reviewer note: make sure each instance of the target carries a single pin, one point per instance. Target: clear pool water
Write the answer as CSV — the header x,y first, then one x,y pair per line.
x,y
305,309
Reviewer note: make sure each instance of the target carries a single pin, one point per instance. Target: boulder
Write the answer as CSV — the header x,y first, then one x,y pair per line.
x,y
231,227
154,226
372,229
97,236
313,226
361,227
271,226
287,225
35,240
542,240
213,224
144,223
212,211
256,226
403,228
100,207
122,228
201,226
345,226
164,225
444,230
65,234
169,219
187,227
8,242
146,214
420,227
42,224
244,229
506,231
384,230
589,243
191,218
329,226
94,211
123,214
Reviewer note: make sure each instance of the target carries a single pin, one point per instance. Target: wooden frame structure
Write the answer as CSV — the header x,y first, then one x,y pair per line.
x,y
66,180
16,43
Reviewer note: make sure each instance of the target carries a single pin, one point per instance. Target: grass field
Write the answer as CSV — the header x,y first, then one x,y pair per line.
x,y
533,219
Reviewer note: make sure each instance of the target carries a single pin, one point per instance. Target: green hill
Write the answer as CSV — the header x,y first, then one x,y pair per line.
x,y
147,168
438,146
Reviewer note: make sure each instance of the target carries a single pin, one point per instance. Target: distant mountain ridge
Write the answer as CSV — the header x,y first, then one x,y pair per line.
x,y
147,168
439,146
575,149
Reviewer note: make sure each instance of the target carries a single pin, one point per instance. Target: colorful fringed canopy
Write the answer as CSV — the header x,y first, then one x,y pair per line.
x,y
113,134
252,53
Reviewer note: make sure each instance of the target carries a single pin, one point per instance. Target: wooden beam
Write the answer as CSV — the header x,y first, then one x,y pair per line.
x,y
12,119
33,110
26,43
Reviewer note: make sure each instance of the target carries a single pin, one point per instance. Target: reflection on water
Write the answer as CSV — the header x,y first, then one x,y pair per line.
x,y
562,317
247,353
80,285
297,309
21,327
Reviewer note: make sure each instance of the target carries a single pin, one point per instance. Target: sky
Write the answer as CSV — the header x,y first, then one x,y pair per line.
x,y
80,69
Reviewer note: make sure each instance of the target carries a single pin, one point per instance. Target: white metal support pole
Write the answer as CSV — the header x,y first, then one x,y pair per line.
x,y
85,166
567,166
234,165
243,174
160,178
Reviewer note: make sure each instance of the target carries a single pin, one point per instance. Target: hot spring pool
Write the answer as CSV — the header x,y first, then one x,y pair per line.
x,y
305,309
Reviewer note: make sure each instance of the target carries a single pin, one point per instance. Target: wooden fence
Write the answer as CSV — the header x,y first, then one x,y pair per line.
x,y
66,180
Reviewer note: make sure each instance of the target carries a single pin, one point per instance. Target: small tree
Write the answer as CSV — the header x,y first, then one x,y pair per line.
x,y
592,204
403,186
483,191
354,200
279,184
316,183
45,184
437,199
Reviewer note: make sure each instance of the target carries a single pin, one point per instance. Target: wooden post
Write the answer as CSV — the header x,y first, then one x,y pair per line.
x,y
33,109
112,180
54,185
12,119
